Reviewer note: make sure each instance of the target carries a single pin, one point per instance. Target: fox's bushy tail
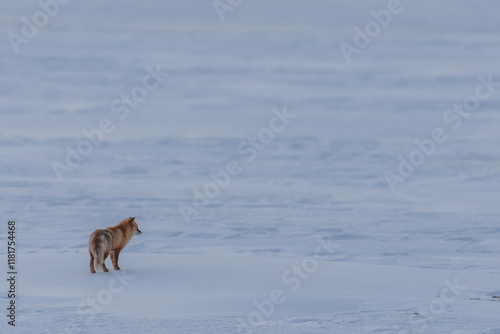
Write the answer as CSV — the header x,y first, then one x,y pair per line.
x,y
99,246
98,251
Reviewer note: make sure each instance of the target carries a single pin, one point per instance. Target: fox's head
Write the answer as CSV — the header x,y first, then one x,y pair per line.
x,y
134,225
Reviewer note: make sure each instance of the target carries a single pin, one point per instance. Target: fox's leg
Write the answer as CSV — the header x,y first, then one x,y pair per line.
x,y
113,259
104,262
92,269
115,262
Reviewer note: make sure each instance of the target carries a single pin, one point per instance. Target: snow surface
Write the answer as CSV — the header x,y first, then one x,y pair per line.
x,y
307,236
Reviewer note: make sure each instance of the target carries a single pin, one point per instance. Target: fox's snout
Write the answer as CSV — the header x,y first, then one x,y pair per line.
x,y
138,232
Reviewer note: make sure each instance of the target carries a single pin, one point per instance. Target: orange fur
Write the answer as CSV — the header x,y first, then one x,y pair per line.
x,y
111,241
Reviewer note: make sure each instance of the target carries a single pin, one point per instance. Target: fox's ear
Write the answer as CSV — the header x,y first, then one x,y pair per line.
x,y
132,219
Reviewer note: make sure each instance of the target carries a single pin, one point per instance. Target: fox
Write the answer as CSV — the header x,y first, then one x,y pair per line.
x,y
111,241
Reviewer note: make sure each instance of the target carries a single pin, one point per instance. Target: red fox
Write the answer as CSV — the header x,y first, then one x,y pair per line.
x,y
111,241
